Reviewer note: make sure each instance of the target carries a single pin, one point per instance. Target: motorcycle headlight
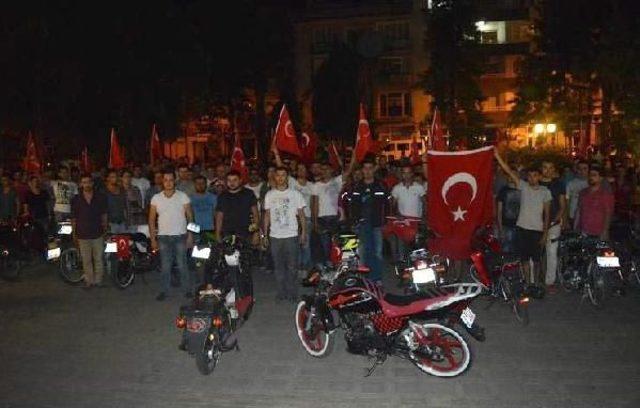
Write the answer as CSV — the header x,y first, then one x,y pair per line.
x,y
201,253
53,254
111,248
232,259
65,229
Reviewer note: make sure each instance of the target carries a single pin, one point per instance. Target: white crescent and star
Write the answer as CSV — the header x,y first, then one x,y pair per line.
x,y
305,140
288,129
461,177
365,123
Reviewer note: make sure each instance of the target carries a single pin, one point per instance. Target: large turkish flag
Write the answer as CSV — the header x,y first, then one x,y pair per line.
x,y
238,162
285,135
364,141
460,198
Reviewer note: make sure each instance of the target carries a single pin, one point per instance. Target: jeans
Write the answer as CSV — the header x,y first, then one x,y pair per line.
x,y
117,228
370,249
174,247
551,251
285,253
398,248
326,227
305,250
508,240
91,252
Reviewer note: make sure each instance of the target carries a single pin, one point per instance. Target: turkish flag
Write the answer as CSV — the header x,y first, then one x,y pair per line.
x,y
460,198
155,148
285,135
116,152
308,147
32,162
334,156
364,141
238,162
415,151
437,134
85,161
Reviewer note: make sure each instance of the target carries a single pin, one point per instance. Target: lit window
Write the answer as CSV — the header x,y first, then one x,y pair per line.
x,y
395,104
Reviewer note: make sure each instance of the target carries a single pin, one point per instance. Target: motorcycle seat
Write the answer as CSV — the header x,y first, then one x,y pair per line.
x,y
139,237
404,300
398,305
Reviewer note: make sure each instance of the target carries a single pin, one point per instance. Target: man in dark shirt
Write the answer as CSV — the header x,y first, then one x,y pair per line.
x,y
508,208
368,202
89,219
36,205
557,216
236,209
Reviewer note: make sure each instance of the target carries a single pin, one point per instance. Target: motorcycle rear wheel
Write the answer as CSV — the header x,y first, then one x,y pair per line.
x,y
10,268
123,273
450,354
71,266
207,358
318,342
597,284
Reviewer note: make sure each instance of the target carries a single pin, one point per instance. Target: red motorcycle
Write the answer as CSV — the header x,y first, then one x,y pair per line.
x,y
128,255
417,327
501,277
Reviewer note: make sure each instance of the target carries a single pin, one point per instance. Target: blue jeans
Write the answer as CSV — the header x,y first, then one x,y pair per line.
x,y
117,228
285,253
370,249
305,250
174,247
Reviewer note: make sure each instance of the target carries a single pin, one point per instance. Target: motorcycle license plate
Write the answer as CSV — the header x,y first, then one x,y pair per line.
x,y
425,275
65,229
53,254
201,253
608,261
111,248
468,317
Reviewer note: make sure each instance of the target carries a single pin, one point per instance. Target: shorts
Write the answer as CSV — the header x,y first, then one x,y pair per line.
x,y
528,244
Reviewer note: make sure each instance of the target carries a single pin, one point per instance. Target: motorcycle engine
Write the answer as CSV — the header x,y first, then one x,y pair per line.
x,y
362,336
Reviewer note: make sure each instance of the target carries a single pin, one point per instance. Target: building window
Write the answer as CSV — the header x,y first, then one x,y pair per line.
x,y
323,38
492,32
495,66
395,34
392,65
395,104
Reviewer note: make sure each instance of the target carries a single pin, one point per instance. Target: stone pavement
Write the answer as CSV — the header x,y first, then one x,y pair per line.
x,y
63,347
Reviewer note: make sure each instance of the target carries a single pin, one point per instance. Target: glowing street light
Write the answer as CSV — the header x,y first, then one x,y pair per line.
x,y
539,128
551,128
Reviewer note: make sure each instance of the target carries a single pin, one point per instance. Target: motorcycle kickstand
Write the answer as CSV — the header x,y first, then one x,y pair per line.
x,y
379,360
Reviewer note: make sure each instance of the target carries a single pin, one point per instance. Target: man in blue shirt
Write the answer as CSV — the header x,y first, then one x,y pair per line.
x,y
203,204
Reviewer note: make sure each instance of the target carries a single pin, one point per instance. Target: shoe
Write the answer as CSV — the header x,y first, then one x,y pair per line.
x,y
188,295
161,296
182,347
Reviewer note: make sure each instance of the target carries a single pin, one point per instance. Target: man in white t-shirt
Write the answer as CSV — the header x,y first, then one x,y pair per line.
x,y
63,191
172,210
142,183
325,195
408,197
285,221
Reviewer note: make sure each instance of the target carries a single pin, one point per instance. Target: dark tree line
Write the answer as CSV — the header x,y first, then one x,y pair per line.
x,y
71,70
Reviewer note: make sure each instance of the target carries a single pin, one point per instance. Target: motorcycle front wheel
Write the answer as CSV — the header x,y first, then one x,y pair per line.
x,y
520,309
596,286
71,266
443,351
316,341
207,358
122,273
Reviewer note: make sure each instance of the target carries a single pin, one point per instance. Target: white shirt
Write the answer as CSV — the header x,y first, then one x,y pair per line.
x,y
409,199
143,185
63,192
574,187
283,206
328,195
531,216
172,219
306,192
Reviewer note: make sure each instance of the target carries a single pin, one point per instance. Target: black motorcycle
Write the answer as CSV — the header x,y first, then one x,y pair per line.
x,y
220,306
128,255
589,265
62,250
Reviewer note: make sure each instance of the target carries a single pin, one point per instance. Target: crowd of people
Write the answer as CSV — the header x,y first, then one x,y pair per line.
x,y
291,209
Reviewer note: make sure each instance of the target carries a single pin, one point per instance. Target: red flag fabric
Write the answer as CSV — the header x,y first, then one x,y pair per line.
x,y
85,161
116,153
238,162
437,134
155,148
334,156
285,134
415,151
460,198
32,162
364,141
308,147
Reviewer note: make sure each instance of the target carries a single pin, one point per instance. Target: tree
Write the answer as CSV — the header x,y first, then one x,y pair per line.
x,y
452,78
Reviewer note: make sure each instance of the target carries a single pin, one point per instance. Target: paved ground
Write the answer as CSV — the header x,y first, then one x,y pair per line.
x,y
63,347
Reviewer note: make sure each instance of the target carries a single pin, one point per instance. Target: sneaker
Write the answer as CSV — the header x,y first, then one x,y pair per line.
x,y
161,296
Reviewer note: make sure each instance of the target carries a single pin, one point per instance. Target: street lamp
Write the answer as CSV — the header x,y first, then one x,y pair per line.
x,y
545,128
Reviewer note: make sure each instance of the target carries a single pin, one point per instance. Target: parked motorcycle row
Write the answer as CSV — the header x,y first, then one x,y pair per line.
x,y
428,325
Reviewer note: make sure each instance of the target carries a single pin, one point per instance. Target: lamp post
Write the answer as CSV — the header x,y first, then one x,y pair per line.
x,y
546,128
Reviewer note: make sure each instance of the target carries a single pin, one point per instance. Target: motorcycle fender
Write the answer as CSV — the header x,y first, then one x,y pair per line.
x,y
195,340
